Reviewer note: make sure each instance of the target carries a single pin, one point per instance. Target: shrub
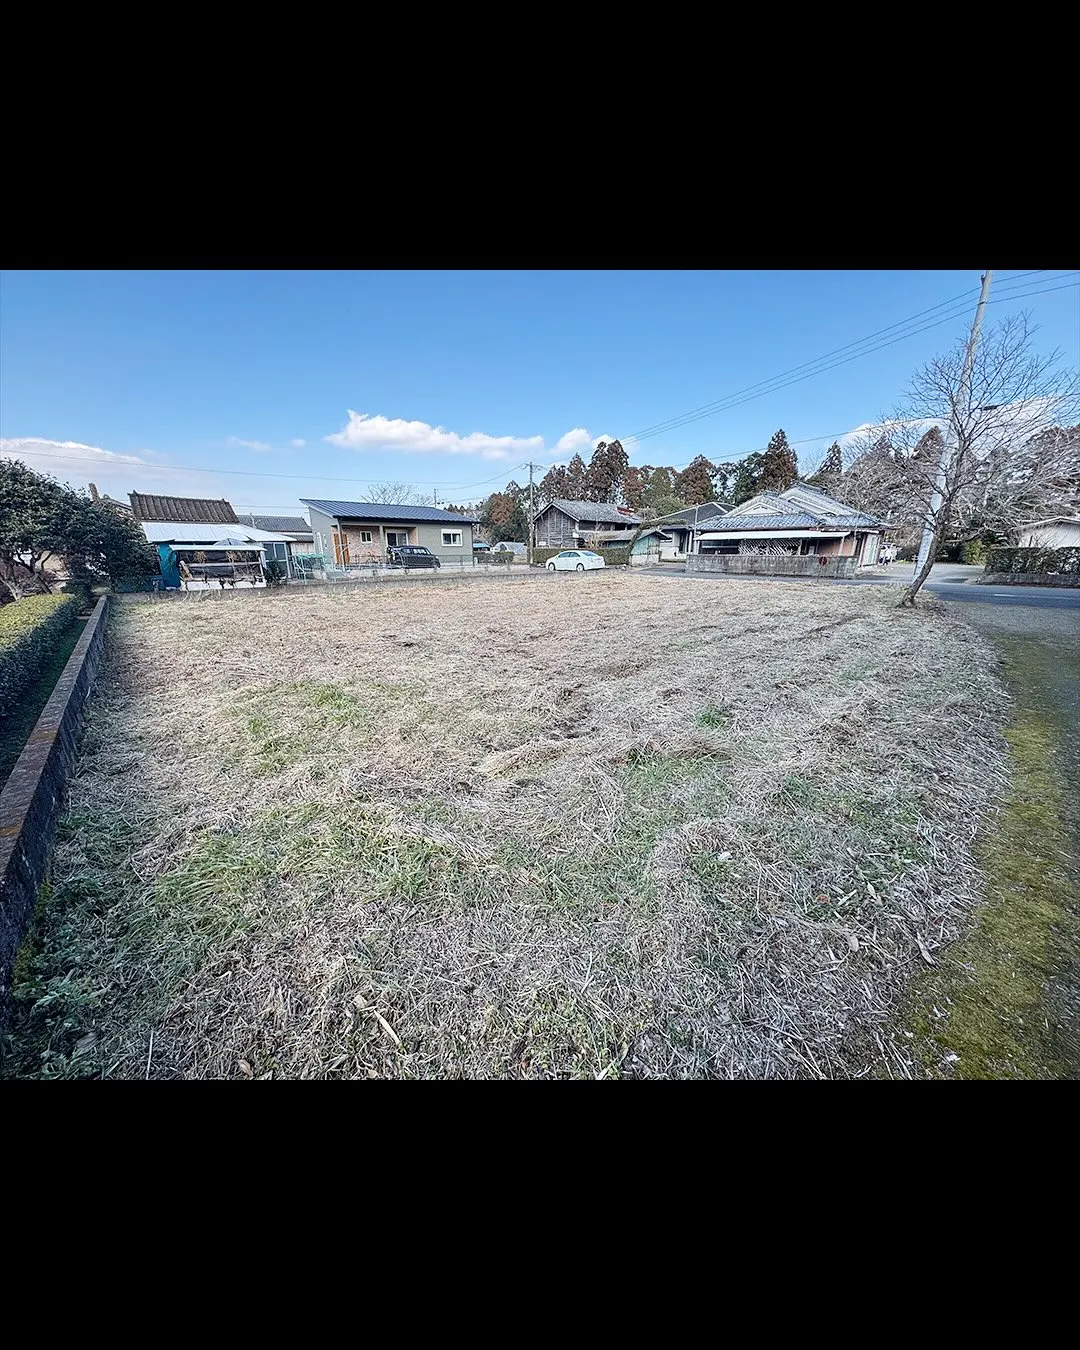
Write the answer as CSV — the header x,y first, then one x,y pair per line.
x,y
275,572
29,629
80,590
1045,560
974,551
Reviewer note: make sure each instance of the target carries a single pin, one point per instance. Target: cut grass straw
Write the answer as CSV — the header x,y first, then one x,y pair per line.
x,y
607,826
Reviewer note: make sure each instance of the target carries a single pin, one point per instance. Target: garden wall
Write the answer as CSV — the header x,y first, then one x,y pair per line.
x,y
761,565
1033,567
33,794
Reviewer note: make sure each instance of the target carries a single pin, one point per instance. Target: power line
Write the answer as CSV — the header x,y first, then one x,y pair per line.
x,y
650,430
1070,287
777,382
774,387
1043,281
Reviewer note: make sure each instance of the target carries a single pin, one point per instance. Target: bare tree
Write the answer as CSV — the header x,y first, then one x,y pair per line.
x,y
1011,457
398,494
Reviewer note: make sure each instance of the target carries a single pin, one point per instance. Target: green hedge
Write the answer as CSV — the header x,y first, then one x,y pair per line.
x,y
28,630
1034,560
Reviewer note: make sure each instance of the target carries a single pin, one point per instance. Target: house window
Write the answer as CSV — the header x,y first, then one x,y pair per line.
x,y
451,538
365,536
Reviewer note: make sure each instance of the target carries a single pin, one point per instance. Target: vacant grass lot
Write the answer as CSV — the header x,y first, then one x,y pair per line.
x,y
596,826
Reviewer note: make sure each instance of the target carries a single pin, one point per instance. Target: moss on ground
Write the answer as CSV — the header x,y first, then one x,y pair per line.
x,y
989,1010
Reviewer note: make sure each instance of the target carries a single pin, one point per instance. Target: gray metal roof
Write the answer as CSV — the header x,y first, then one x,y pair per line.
x,y
279,524
196,532
384,511
687,515
602,512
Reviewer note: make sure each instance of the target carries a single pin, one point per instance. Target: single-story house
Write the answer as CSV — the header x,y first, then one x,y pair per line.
x,y
295,528
357,534
202,544
683,527
296,555
799,521
566,524
1057,532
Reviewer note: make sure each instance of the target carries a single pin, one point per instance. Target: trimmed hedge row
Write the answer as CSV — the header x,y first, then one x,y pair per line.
x,y
29,629
1034,560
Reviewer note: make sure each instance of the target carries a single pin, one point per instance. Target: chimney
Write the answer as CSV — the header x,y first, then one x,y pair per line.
x,y
93,492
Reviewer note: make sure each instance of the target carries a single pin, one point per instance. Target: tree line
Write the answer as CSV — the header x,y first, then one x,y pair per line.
x,y
650,490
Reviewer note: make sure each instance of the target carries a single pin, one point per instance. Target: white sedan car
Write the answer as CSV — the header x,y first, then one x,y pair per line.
x,y
575,560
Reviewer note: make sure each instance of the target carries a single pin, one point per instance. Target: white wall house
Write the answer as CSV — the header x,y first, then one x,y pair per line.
x,y
1061,532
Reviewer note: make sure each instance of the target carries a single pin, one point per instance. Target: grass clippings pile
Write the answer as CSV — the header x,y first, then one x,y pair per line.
x,y
596,826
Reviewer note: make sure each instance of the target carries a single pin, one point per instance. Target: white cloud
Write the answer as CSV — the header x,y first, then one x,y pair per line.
x,y
114,473
366,432
71,452
297,443
248,445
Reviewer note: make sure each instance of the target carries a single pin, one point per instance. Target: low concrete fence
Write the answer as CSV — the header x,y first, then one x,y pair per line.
x,y
355,582
33,794
761,565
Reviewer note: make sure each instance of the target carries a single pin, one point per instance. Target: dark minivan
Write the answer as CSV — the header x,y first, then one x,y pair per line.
x,y
411,555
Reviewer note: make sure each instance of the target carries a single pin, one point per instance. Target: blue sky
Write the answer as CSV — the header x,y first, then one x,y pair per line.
x,y
266,386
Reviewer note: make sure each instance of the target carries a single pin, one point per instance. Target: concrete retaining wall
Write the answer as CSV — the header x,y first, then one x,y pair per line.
x,y
1030,579
33,794
756,564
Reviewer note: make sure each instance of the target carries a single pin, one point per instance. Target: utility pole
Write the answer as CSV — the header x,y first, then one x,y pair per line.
x,y
435,497
964,392
532,517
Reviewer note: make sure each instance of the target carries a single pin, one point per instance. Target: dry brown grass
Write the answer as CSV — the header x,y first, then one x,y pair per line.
x,y
598,826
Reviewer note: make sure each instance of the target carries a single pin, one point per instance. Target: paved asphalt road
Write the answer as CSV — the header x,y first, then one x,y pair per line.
x,y
1019,597
948,581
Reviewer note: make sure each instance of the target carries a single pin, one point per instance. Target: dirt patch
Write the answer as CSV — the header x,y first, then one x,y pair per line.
x,y
621,826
